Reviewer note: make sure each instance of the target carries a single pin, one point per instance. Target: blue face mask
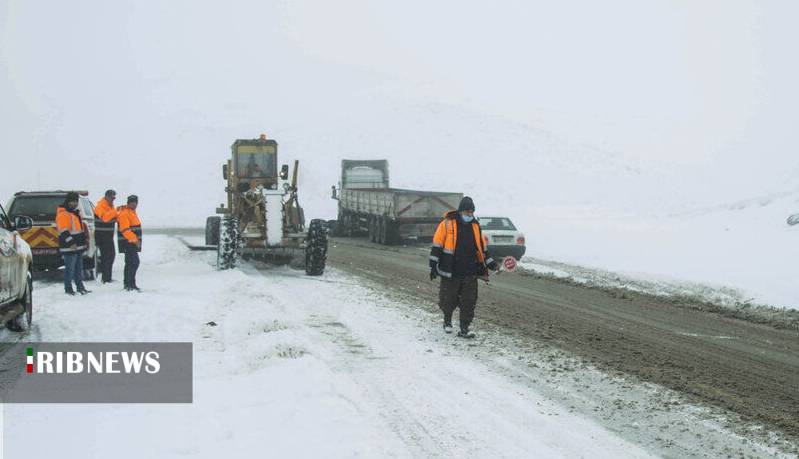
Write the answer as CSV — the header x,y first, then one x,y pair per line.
x,y
466,218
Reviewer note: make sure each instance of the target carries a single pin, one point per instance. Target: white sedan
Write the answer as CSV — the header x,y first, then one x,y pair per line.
x,y
502,238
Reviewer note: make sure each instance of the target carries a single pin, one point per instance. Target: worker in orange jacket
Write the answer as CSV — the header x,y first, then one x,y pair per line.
x,y
129,234
460,256
105,220
72,242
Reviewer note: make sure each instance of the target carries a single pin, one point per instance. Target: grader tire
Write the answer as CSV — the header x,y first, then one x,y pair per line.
x,y
316,248
227,248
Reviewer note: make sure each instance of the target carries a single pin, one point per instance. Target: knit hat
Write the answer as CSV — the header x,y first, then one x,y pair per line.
x,y
466,204
133,198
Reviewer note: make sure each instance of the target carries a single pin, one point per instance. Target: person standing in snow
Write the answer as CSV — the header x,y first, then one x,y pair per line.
x,y
104,226
129,236
72,242
459,256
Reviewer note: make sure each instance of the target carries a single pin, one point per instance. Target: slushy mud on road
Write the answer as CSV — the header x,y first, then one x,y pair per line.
x,y
746,368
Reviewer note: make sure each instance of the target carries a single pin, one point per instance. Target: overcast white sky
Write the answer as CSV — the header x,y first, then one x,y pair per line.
x,y
147,96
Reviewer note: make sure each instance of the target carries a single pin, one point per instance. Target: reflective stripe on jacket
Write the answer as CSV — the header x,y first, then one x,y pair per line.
x,y
106,217
71,231
445,240
129,228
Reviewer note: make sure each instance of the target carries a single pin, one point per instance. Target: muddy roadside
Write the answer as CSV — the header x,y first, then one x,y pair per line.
x,y
748,368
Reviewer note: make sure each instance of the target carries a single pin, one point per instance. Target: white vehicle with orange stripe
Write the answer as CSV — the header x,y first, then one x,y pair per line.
x,y
43,236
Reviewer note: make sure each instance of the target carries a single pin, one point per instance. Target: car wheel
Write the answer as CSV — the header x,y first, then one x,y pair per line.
x,y
23,321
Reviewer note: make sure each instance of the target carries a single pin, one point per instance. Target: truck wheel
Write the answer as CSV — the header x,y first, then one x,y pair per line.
x,y
316,248
348,231
392,232
341,224
332,226
372,229
212,230
23,321
227,248
388,231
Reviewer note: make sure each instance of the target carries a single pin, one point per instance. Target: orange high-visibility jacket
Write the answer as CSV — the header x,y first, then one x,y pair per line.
x,y
71,231
106,217
129,229
445,240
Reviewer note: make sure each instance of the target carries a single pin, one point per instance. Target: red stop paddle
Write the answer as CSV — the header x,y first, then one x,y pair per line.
x,y
509,263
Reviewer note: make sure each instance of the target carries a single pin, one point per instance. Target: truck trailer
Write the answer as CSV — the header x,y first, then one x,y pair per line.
x,y
367,205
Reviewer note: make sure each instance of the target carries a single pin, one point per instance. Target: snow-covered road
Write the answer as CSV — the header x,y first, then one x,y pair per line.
x,y
294,366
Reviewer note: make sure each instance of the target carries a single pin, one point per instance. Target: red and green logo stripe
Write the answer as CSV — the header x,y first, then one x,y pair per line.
x,y
30,360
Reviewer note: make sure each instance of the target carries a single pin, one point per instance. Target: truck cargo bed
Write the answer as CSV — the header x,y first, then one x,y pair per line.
x,y
399,204
367,205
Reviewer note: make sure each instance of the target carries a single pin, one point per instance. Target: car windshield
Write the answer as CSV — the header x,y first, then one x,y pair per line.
x,y
496,223
36,207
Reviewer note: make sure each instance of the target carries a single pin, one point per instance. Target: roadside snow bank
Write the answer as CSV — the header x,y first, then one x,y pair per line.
x,y
742,252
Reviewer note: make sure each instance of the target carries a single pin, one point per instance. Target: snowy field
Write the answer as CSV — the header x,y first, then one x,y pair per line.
x,y
740,252
288,365
294,366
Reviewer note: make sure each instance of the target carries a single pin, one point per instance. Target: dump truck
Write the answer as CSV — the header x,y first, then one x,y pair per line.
x,y
367,205
262,218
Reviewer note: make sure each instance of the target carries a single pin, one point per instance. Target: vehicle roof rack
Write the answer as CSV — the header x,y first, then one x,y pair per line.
x,y
80,192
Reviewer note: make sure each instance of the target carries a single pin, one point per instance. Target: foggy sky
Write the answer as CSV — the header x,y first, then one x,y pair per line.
x,y
147,96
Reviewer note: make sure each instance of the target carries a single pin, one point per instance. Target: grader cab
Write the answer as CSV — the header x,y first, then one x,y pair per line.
x,y
262,218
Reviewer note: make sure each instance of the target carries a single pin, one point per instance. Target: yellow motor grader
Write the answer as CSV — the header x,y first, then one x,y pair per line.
x,y
262,218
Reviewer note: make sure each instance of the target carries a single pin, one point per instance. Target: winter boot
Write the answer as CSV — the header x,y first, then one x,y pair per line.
x,y
466,333
448,323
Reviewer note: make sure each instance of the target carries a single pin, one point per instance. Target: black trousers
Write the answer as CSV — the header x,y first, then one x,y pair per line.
x,y
105,242
458,293
131,265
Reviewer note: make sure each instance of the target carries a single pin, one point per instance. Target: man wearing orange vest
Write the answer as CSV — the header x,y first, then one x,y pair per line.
x,y
129,236
459,256
72,242
104,226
